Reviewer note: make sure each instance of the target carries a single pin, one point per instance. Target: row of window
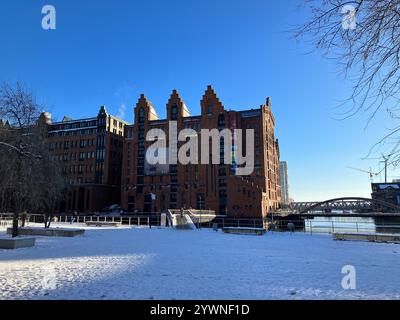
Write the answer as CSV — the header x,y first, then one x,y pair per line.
x,y
102,122
247,192
128,132
72,133
71,144
100,142
118,124
74,125
100,155
141,149
173,169
118,132
81,181
73,156
79,169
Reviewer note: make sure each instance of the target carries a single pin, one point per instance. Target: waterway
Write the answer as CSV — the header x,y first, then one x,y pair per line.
x,y
353,224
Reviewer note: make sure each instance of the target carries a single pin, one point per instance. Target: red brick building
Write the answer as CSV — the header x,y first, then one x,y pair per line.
x,y
201,186
90,151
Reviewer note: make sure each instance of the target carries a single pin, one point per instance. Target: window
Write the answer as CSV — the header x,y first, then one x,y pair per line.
x,y
100,155
100,142
200,201
141,115
209,110
129,133
221,120
174,112
172,197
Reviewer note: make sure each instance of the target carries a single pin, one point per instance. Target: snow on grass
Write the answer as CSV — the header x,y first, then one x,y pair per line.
x,y
139,263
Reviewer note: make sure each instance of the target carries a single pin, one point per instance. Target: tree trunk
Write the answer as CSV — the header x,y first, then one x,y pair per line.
x,y
23,219
15,225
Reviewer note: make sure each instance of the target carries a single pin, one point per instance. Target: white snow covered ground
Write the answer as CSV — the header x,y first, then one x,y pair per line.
x,y
139,263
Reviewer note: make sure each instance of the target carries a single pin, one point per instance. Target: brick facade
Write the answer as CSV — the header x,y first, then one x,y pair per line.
x,y
90,151
201,186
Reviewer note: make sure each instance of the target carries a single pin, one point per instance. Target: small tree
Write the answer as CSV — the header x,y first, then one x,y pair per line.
x,y
31,180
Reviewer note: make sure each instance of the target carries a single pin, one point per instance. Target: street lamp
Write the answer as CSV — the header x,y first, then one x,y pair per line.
x,y
153,198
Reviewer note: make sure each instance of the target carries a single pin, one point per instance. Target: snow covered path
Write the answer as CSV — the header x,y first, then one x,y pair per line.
x,y
139,263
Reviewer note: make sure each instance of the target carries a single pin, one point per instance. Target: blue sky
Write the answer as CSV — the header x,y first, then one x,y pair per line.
x,y
108,52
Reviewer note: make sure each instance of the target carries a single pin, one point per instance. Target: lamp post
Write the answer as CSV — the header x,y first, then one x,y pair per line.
x,y
153,198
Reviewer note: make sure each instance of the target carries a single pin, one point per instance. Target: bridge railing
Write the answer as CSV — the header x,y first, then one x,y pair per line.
x,y
346,203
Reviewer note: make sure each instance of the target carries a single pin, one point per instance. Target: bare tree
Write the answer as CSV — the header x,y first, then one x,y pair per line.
x,y
364,38
31,180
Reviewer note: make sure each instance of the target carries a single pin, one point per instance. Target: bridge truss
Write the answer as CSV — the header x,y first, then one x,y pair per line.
x,y
355,204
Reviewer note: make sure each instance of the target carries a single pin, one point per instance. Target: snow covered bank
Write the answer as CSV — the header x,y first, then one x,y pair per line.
x,y
142,263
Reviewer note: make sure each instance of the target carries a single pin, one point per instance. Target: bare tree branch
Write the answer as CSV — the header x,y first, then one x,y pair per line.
x,y
368,54
31,180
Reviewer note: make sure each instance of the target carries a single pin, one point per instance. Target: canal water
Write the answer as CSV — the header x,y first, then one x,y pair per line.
x,y
353,224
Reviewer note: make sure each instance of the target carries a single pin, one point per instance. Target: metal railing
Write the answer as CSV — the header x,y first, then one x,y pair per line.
x,y
315,226
131,220
146,219
305,226
5,222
